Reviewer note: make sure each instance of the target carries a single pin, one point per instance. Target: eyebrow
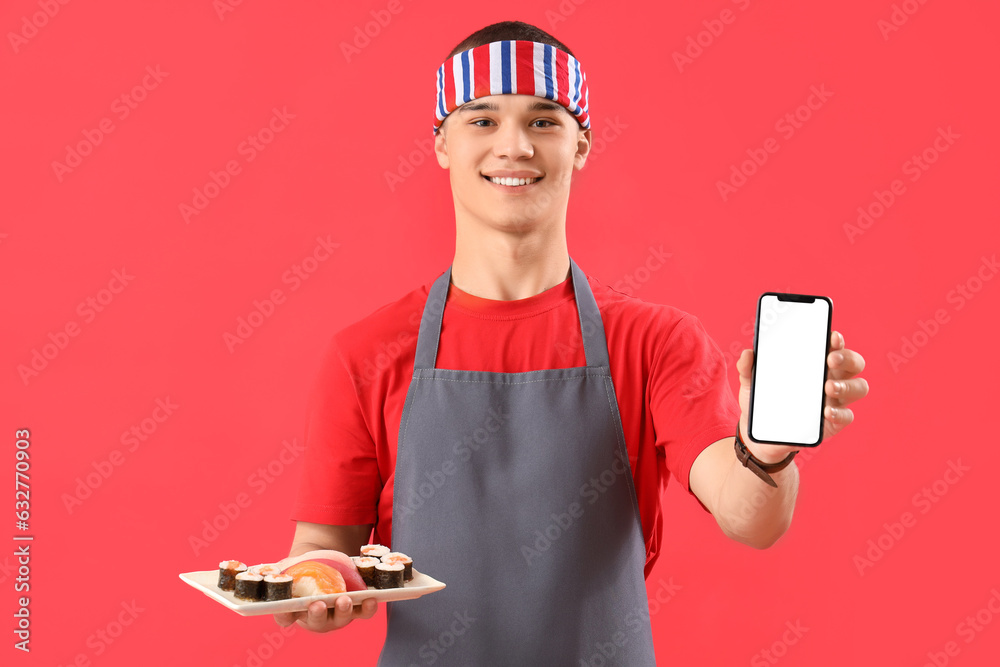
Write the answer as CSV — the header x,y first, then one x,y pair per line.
x,y
540,105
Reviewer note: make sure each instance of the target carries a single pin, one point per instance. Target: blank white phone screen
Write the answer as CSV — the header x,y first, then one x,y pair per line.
x,y
788,378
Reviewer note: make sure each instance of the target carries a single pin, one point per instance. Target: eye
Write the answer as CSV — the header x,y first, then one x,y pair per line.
x,y
476,123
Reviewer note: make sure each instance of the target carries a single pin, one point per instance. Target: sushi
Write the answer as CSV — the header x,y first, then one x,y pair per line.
x,y
374,550
313,578
228,569
366,566
335,559
264,569
249,586
321,572
389,575
277,587
397,557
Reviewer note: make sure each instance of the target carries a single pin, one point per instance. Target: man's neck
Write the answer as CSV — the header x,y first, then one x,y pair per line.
x,y
494,264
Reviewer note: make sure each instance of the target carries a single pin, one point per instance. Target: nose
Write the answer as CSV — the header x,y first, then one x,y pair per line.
x,y
512,142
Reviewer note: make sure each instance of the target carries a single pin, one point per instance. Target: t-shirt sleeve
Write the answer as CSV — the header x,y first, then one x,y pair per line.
x,y
340,482
691,401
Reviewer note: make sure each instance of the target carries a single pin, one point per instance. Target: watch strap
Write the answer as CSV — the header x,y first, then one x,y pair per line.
x,y
755,465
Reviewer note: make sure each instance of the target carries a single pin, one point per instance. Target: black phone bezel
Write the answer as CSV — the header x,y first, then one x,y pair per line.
x,y
795,298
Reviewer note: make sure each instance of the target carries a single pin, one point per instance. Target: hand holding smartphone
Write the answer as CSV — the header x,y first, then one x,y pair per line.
x,y
790,346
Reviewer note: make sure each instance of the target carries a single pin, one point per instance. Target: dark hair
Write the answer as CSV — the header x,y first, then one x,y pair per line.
x,y
508,30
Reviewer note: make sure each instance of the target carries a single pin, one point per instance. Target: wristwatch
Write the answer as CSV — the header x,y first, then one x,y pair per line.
x,y
755,465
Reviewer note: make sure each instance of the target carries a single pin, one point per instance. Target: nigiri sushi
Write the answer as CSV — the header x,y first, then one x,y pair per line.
x,y
335,559
314,578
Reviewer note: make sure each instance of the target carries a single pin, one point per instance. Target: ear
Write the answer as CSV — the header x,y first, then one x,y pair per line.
x,y
583,145
441,147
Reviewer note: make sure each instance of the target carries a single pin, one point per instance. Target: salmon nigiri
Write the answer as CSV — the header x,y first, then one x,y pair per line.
x,y
335,559
312,578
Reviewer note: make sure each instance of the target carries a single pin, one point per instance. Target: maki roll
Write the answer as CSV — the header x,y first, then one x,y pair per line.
x,y
249,586
228,569
374,550
397,557
389,575
265,569
366,567
277,587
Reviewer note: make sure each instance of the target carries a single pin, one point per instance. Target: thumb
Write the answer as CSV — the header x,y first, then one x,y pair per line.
x,y
744,365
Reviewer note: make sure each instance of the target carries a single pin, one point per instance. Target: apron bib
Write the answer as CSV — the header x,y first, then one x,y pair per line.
x,y
516,491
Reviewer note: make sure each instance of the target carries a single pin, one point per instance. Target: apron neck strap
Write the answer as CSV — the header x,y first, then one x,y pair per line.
x,y
595,344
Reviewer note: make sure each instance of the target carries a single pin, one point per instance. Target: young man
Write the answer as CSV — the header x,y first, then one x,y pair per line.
x,y
511,424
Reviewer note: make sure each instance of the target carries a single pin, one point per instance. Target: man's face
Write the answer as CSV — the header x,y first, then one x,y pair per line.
x,y
511,135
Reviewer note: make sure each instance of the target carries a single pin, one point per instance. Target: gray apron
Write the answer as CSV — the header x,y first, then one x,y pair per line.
x,y
516,491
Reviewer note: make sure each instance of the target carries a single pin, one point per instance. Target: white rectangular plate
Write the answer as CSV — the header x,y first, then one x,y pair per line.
x,y
207,581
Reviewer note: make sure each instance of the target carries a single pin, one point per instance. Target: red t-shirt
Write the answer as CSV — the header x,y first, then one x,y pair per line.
x,y
669,376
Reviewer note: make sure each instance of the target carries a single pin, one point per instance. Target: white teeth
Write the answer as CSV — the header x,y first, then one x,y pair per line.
x,y
513,181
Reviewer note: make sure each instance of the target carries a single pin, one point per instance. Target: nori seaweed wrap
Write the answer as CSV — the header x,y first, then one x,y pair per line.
x,y
228,569
277,587
249,586
389,575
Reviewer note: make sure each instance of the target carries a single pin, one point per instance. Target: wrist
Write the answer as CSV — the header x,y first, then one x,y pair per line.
x,y
767,456
761,468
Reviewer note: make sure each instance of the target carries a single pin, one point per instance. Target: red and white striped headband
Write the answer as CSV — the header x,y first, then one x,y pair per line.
x,y
512,67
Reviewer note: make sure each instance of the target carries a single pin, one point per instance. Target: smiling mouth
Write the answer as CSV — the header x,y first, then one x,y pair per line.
x,y
512,182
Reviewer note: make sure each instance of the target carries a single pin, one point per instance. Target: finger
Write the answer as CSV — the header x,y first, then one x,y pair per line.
x,y
836,340
316,618
839,416
843,392
845,363
285,618
744,365
343,611
366,609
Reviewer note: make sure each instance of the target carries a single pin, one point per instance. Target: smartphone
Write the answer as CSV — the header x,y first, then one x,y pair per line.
x,y
790,345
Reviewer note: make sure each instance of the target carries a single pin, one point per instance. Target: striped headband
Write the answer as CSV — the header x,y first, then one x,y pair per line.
x,y
512,67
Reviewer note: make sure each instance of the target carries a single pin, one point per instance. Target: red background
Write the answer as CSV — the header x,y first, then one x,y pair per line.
x,y
652,182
